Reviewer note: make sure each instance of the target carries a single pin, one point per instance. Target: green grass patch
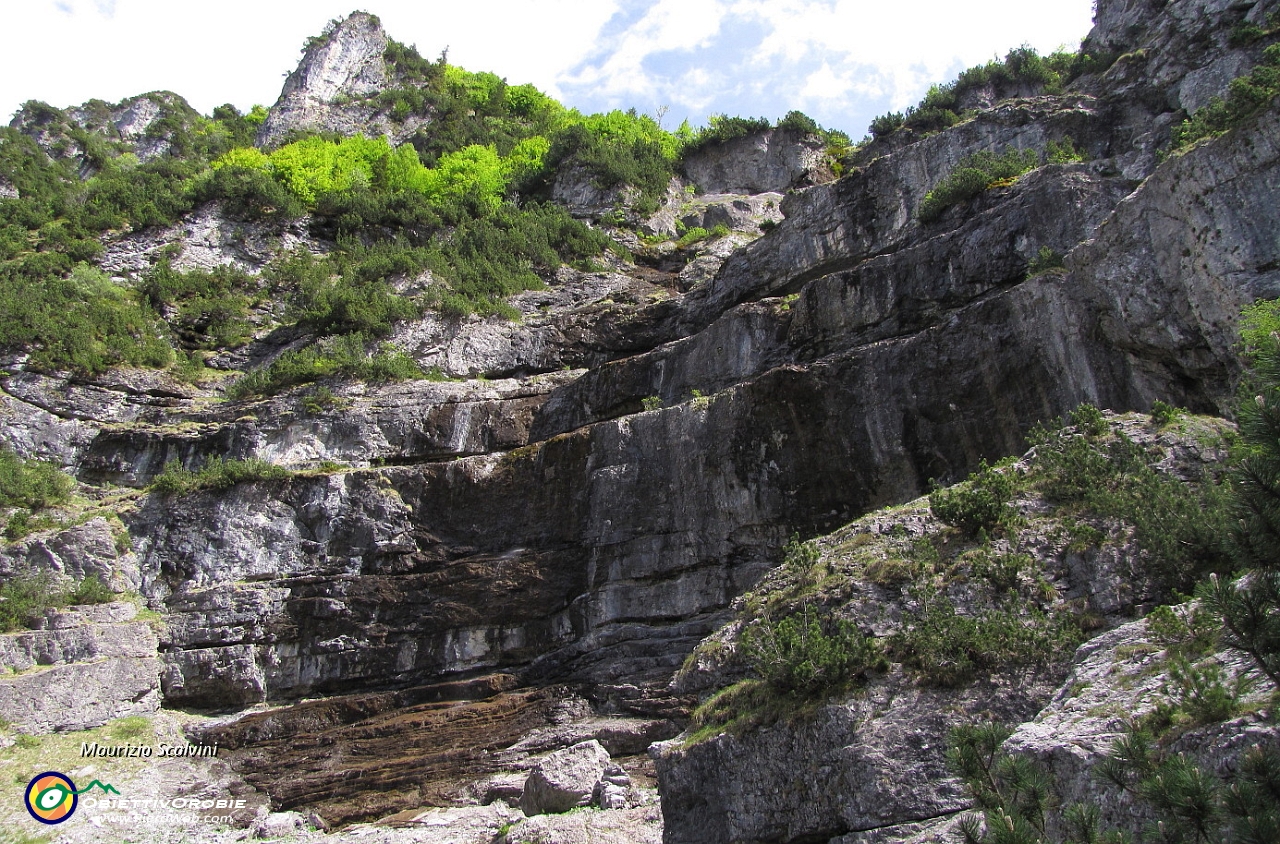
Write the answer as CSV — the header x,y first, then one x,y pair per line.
x,y
26,596
948,649
348,356
217,473
1246,97
973,175
1087,469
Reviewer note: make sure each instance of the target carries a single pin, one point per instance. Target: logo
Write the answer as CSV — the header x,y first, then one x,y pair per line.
x,y
52,797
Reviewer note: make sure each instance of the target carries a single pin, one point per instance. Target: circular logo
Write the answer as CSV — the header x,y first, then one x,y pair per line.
x,y
51,797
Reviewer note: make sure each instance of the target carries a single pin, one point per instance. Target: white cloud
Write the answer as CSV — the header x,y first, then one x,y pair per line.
x,y
825,84
669,25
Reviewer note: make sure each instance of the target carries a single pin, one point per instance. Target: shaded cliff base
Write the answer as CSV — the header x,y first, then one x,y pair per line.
x,y
1040,569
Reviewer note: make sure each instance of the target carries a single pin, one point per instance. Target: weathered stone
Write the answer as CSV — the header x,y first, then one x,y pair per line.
x,y
641,825
77,636
88,550
1118,677
79,696
564,780
338,69
763,162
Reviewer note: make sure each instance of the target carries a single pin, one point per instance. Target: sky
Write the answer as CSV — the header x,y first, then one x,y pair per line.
x,y
842,62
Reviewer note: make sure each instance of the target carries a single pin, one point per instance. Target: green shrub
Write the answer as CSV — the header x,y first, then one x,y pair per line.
x,y
1202,692
23,523
640,160
1089,420
1021,67
217,473
1062,152
973,175
1044,261
948,649
91,590
1192,801
31,483
809,656
1165,414
886,124
1180,525
1246,96
721,129
1250,606
27,595
798,121
210,307
346,356
84,322
981,503
249,194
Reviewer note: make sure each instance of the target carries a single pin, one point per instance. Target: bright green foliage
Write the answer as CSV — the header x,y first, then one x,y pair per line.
x,y
1246,97
85,323
979,504
808,655
526,159
217,473
316,165
249,158
476,89
346,356
475,174
618,148
973,175
31,483
1062,152
26,596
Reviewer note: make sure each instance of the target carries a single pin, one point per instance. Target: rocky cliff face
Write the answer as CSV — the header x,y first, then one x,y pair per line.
x,y
340,71
613,470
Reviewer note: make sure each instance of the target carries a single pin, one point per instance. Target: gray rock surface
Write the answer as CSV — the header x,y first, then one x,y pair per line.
x,y
206,239
1120,676
565,780
91,665
87,550
328,91
763,162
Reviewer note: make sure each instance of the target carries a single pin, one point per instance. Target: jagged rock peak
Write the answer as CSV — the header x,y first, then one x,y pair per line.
x,y
338,70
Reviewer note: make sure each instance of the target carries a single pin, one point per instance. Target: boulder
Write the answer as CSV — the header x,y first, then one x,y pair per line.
x,y
565,780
